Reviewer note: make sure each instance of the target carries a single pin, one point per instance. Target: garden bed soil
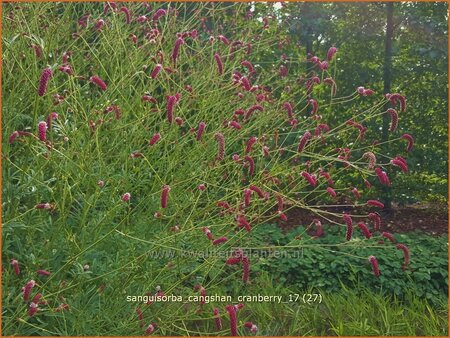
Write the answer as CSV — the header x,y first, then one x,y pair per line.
x,y
401,219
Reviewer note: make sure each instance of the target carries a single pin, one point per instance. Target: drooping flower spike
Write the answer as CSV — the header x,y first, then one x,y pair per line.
x,y
219,63
165,196
15,265
98,82
220,139
373,261
405,250
394,119
233,319
410,140
200,130
217,319
43,82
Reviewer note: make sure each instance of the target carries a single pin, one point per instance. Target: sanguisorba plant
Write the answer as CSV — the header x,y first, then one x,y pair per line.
x,y
144,140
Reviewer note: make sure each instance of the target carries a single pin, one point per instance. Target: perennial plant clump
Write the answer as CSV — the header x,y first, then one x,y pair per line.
x,y
251,141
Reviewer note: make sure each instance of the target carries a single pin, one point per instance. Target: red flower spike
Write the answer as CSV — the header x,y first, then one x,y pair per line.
x,y
149,330
251,141
331,192
155,138
200,130
126,11
233,319
126,197
310,178
247,197
314,105
176,49
304,139
98,82
242,222
376,219
156,71
43,272
356,193
251,165
42,131
220,240
220,139
15,265
389,236
219,63
331,52
371,159
394,119
165,196
159,13
223,39
399,163
171,100
43,81
364,230
252,109
410,140
405,250
373,261
280,202
140,316
217,319
257,190
375,203
208,233
27,290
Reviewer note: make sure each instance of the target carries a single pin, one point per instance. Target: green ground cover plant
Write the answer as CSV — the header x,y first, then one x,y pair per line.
x,y
147,146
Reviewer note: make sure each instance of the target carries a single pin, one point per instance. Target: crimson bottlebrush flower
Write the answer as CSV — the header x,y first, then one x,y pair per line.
x,y
233,319
410,140
233,260
245,83
356,193
224,205
367,184
327,176
43,81
109,5
253,328
98,82
201,187
99,24
141,19
266,151
126,11
43,272
364,230
372,159
314,105
288,107
389,236
32,309
15,265
251,141
101,183
257,190
52,116
331,82
140,316
247,197
245,269
280,202
321,127
46,206
397,97
405,250
149,330
283,72
234,124
13,136
394,119
217,319
37,50
208,233
220,146
304,139
164,196
248,65
331,192
399,163
62,307
42,131
159,13
155,138
375,217
223,39
382,176
27,290
156,71
179,121
126,197
349,223
243,223
176,49
220,240
310,178
319,229
251,165
171,100
375,203
283,216
148,98
219,63
331,52
373,261
252,109
200,130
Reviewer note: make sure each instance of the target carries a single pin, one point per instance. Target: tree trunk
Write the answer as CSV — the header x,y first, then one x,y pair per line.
x,y
387,79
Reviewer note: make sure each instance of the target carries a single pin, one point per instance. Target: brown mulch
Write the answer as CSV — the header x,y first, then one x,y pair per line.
x,y
401,219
